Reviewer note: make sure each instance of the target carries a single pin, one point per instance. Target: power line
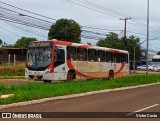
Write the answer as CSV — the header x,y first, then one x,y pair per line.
x,y
10,32
55,19
44,16
71,1
27,11
35,23
115,12
91,8
22,23
99,7
21,14
24,30
21,20
100,28
106,9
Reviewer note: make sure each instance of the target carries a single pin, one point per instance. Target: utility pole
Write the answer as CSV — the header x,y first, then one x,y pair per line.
x,y
147,37
125,30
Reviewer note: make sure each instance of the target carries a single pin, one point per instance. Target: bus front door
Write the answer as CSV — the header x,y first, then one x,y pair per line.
x,y
60,63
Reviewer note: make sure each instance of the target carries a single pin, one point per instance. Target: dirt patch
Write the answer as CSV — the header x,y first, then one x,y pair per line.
x,y
15,81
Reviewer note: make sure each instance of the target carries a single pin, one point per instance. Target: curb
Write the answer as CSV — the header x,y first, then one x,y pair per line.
x,y
70,96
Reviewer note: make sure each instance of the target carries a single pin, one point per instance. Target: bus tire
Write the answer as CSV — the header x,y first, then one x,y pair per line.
x,y
111,74
71,75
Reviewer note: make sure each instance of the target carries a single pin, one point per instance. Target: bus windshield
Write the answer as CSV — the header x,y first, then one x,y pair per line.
x,y
39,57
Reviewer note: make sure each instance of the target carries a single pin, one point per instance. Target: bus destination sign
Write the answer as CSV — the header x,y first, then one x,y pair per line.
x,y
39,44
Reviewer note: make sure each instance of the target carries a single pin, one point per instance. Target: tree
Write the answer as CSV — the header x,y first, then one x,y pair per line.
x,y
23,42
1,42
158,53
66,30
113,41
132,42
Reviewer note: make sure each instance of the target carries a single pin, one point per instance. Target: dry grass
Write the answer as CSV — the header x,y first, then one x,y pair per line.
x,y
18,65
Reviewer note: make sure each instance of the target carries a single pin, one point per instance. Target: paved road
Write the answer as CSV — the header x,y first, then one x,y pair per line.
x,y
145,99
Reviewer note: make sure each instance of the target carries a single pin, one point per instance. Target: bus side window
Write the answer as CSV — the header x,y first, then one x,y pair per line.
x,y
127,58
71,53
59,54
109,56
82,54
101,55
123,58
117,57
92,55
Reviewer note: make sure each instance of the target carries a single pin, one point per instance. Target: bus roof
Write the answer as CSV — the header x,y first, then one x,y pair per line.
x,y
83,45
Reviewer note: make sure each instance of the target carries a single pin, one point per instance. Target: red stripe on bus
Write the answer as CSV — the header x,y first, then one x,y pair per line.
x,y
63,43
84,46
70,66
122,66
115,51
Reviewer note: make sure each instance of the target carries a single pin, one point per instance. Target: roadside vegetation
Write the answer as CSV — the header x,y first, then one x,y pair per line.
x,y
31,91
11,71
18,65
17,73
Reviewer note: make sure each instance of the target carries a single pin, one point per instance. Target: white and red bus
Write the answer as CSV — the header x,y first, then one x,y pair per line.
x,y
54,60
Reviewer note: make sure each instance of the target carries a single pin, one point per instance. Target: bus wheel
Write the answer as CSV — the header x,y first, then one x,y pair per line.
x,y
70,75
111,75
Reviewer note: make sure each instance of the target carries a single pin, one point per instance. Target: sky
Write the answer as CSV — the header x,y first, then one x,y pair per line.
x,y
136,9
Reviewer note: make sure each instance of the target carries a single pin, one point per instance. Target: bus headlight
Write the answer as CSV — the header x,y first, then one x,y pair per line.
x,y
48,70
28,72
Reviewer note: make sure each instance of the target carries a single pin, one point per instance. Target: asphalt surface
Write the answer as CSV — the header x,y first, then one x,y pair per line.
x,y
144,99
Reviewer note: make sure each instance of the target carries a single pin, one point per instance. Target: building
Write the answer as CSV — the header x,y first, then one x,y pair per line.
x,y
7,54
152,59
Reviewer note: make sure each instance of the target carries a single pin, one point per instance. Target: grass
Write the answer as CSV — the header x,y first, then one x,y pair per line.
x,y
11,70
17,73
11,77
31,91
18,65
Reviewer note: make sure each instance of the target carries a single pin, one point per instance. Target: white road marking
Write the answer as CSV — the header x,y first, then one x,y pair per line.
x,y
140,110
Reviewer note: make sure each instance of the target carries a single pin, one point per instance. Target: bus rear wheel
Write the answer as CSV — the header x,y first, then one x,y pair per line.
x,y
70,75
111,75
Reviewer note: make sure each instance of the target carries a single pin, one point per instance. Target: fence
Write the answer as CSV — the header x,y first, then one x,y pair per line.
x,y
11,59
11,56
